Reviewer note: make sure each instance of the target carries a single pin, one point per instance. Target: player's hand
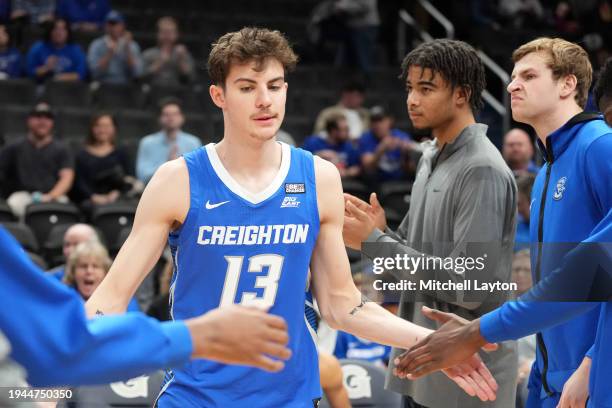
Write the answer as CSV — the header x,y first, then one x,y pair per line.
x,y
240,335
576,388
374,209
474,378
358,223
455,342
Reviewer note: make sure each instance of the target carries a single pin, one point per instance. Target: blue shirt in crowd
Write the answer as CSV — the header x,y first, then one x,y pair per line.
x,y
70,59
353,347
390,164
347,154
11,64
83,11
153,151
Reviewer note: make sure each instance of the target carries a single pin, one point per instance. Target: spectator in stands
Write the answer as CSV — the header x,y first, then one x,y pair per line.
x,y
76,234
384,148
103,170
35,11
37,168
565,20
87,266
10,57
115,57
167,144
168,63
57,57
524,184
361,20
517,150
336,148
83,15
351,106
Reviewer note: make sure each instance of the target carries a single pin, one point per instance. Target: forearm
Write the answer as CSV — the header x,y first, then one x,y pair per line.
x,y
62,186
372,322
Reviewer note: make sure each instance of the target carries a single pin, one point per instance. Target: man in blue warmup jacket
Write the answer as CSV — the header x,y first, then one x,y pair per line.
x,y
52,339
571,208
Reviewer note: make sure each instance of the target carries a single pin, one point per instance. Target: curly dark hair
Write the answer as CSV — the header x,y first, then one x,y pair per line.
x,y
248,44
603,87
456,61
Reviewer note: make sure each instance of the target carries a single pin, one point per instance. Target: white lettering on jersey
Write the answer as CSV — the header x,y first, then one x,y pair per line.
x,y
252,234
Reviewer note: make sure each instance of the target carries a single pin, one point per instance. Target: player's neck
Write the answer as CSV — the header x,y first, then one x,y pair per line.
x,y
547,123
249,157
448,131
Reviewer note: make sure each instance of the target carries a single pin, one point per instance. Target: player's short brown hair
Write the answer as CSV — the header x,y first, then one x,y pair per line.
x,y
563,58
248,44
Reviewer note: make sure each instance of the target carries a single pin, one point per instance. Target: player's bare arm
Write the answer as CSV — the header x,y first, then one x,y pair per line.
x,y
341,303
163,206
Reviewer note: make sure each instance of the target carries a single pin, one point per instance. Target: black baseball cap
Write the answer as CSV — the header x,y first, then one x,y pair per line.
x,y
42,109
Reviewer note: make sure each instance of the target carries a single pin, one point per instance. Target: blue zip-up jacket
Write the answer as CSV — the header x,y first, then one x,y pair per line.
x,y
571,204
52,339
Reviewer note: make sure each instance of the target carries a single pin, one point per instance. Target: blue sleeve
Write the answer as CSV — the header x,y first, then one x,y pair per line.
x,y
366,144
34,59
133,305
590,352
353,156
52,339
61,10
312,144
15,69
583,275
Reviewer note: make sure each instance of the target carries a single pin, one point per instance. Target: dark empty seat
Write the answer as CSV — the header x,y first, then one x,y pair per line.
x,y
67,93
112,218
6,214
54,245
356,188
202,127
17,91
23,234
73,124
135,124
396,195
42,217
117,96
14,120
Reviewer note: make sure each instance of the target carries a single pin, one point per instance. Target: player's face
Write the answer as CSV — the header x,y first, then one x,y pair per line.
x,y
429,101
253,100
88,273
533,90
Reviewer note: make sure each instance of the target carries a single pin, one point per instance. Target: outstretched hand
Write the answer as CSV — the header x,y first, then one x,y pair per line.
x,y
452,348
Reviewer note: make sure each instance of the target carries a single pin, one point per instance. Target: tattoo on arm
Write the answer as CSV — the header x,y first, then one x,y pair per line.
x,y
99,313
364,300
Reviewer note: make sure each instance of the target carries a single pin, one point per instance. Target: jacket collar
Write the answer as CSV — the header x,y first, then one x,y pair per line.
x,y
559,140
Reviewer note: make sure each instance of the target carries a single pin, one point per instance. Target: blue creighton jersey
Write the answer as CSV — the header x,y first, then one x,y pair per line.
x,y
251,249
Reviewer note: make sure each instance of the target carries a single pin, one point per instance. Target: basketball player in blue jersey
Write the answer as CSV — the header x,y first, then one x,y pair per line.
x,y
246,219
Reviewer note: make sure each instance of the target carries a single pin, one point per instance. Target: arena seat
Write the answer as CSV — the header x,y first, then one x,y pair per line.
x,y
53,246
133,393
67,93
14,119
110,219
73,124
117,96
396,195
133,124
23,234
6,214
17,91
365,384
42,217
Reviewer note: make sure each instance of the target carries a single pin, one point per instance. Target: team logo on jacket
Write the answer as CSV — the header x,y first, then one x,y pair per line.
x,y
560,188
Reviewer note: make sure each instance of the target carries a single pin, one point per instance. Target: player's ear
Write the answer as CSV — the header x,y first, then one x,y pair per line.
x,y
462,95
217,94
568,85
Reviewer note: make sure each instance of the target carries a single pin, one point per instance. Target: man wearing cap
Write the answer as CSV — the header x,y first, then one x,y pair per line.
x,y
114,57
36,168
383,148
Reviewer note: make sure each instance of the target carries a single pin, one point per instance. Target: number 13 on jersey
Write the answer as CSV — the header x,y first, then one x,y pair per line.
x,y
268,283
